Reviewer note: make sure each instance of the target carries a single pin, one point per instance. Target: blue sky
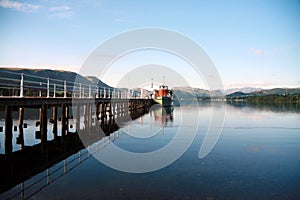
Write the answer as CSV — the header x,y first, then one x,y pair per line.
x,y
252,43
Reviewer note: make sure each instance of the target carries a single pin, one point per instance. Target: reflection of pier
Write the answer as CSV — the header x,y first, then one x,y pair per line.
x,y
95,111
28,188
100,117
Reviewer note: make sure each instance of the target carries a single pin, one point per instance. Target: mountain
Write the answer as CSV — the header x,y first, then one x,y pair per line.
x,y
278,91
244,90
189,92
41,75
238,94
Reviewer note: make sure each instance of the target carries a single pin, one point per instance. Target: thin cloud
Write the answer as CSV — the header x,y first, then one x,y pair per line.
x,y
19,6
275,50
61,12
60,9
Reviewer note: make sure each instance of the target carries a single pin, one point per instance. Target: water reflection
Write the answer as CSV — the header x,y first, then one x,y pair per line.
x,y
256,157
268,106
163,115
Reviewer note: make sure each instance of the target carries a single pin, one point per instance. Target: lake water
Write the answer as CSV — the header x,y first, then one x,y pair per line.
x,y
257,156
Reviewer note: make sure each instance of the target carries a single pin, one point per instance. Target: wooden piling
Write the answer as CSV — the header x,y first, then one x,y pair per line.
x,y
67,119
63,121
21,117
54,116
43,125
78,118
8,129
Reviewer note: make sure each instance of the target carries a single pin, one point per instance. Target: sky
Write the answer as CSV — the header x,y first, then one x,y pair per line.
x,y
251,43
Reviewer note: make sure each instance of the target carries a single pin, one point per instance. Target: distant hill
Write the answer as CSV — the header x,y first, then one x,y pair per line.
x,y
244,90
271,95
189,92
278,91
238,94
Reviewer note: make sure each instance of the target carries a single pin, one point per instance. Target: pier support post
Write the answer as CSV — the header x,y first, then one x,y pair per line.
x,y
90,114
67,119
78,118
97,111
43,123
85,116
8,129
21,117
20,138
54,113
63,121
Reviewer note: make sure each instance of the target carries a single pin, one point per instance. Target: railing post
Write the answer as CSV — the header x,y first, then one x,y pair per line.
x,y
90,95
65,89
79,90
22,85
48,87
97,92
40,93
54,90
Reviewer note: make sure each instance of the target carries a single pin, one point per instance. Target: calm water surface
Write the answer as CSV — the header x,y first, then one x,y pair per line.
x,y
256,157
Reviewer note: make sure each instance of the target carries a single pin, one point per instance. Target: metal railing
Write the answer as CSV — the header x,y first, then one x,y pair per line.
x,y
21,85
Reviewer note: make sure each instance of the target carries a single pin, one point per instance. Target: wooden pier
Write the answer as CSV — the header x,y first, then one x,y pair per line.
x,y
96,112
100,120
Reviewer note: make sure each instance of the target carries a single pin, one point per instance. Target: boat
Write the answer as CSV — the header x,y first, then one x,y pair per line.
x,y
163,96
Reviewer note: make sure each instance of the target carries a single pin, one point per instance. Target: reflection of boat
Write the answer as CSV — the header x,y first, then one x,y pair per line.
x,y
163,96
163,114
